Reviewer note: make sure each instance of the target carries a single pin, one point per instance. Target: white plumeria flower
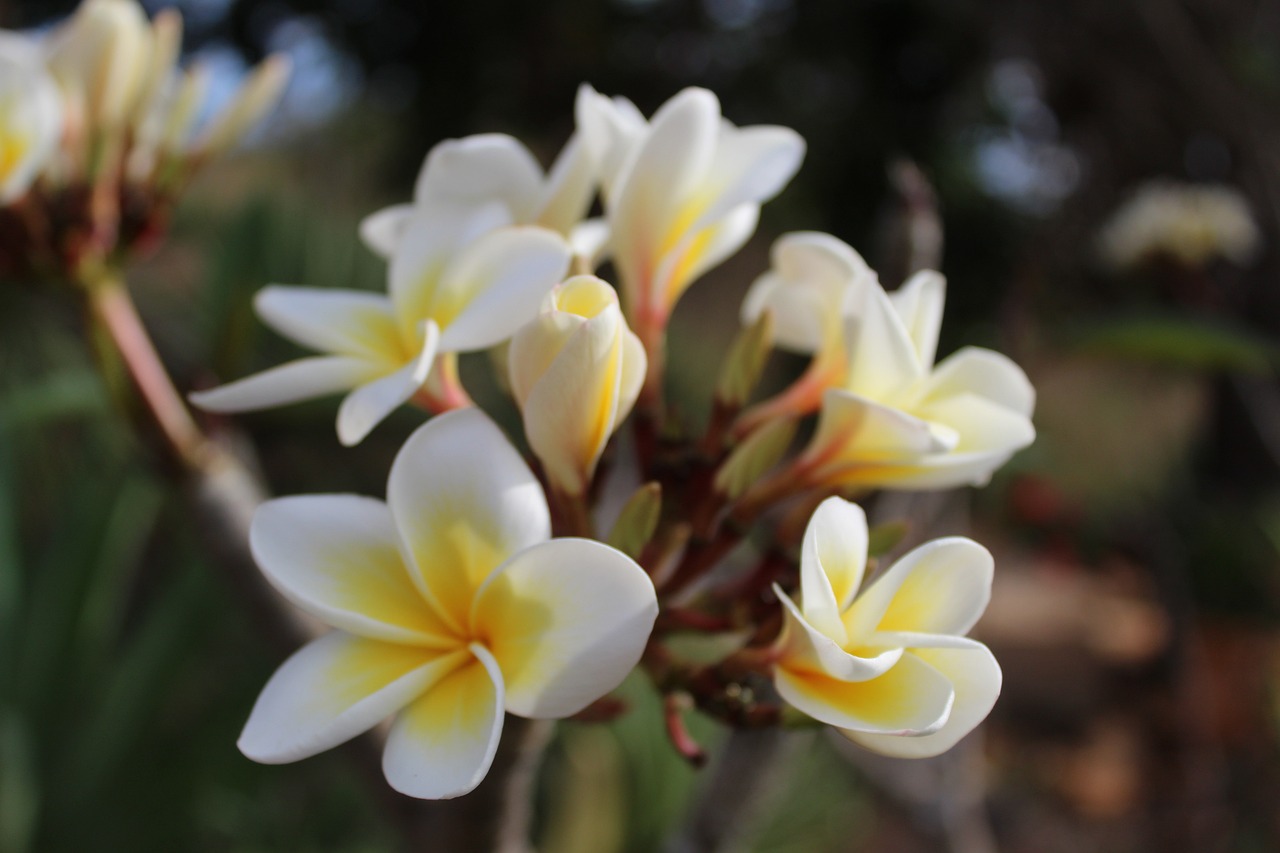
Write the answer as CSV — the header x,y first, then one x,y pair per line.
x,y
898,420
890,668
576,370
1192,223
459,281
682,192
101,56
487,168
30,115
450,606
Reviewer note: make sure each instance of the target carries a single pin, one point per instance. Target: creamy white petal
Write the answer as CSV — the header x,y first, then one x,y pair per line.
x,y
982,373
807,651
611,131
634,365
31,115
367,406
566,621
981,424
343,322
480,169
589,240
334,688
751,166
441,746
431,238
464,502
854,432
882,357
912,698
288,383
942,587
566,195
700,251
835,547
381,229
976,677
496,285
338,558
919,302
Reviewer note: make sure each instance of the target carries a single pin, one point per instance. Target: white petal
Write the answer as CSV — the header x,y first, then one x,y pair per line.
x,y
431,238
566,620
981,424
835,547
982,373
496,286
338,558
441,746
367,406
942,587
567,194
807,651
479,169
912,698
883,363
381,230
289,383
703,250
976,677
589,240
855,434
611,131
919,302
334,688
464,502
751,166
343,322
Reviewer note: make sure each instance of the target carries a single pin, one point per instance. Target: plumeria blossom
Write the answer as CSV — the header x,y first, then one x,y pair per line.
x,y
576,370
810,289
459,280
487,168
100,56
898,420
682,192
30,115
1193,224
450,604
890,668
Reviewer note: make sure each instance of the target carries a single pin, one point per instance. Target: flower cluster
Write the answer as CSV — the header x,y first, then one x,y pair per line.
x,y
99,132
1191,224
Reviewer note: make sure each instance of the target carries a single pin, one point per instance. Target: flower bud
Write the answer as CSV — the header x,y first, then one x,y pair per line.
x,y
259,94
576,371
103,52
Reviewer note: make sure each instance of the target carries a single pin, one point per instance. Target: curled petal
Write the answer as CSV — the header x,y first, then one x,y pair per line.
x,y
381,230
367,406
441,746
981,373
833,558
883,360
565,197
479,169
805,650
334,688
699,251
338,558
464,502
854,432
912,698
292,382
566,620
942,587
976,677
919,304
751,166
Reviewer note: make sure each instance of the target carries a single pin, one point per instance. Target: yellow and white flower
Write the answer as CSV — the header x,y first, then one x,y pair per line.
x,y
889,416
30,115
450,606
459,280
682,192
576,370
1193,224
492,168
890,668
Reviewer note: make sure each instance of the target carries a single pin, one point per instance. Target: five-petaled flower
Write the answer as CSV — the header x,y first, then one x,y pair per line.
x,y
890,668
451,605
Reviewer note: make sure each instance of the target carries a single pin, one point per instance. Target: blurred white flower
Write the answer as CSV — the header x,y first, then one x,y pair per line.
x,y
451,607
890,668
30,115
1190,223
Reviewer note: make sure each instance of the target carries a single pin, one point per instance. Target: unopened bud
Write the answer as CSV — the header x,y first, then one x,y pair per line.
x,y
637,521
745,361
763,449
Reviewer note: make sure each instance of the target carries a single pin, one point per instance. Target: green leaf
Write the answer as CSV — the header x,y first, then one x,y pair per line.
x,y
884,537
637,521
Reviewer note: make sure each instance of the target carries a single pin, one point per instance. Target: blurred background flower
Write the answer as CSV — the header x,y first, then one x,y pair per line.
x,y
1137,544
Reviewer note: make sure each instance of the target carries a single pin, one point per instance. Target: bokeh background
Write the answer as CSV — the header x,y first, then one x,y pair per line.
x,y
1137,543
